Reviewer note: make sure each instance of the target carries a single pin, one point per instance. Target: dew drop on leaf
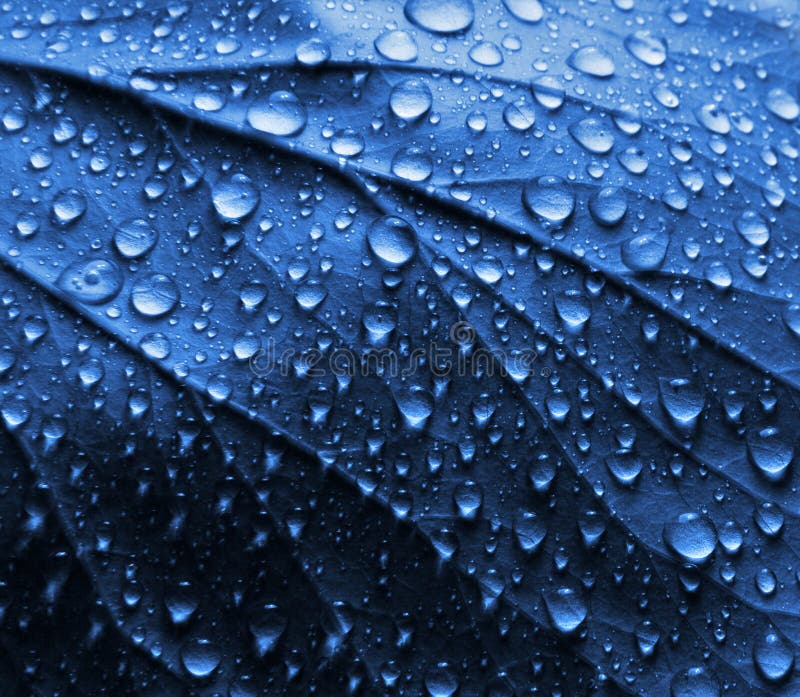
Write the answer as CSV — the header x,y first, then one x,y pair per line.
x,y
593,61
134,238
691,537
92,281
279,114
441,16
154,295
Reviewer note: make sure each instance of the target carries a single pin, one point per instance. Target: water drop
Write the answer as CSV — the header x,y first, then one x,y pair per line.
x,y
625,466
415,405
645,251
573,309
235,198
468,498
647,48
525,10
200,657
773,656
441,681
519,115
15,410
312,53
691,537
548,92
279,114
412,164
566,608
134,238
486,53
347,142
593,136
694,682
782,104
753,228
68,206
310,295
770,452
392,240
441,16
410,99
593,61
608,206
154,295
549,198
682,400
397,45
91,281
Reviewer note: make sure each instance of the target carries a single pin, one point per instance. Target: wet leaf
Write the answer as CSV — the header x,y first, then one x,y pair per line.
x,y
425,348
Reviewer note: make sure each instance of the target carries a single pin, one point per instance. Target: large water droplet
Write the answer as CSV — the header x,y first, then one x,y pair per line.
x,y
15,410
647,48
593,136
397,45
770,452
519,115
412,164
550,199
782,104
468,498
529,530
279,114
682,400
525,10
154,295
441,681
415,405
566,608
753,228
646,251
68,206
200,657
694,682
625,466
573,309
691,537
593,61
310,295
312,53
91,281
608,205
392,240
548,92
379,320
773,656
410,99
441,16
267,625
135,238
486,53
235,198
714,118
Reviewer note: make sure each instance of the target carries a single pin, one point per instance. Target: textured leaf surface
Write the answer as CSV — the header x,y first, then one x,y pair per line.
x,y
382,348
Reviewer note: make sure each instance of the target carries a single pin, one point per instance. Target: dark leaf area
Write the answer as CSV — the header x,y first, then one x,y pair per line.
x,y
424,348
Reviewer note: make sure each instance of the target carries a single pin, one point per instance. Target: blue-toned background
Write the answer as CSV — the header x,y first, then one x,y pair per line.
x,y
440,348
